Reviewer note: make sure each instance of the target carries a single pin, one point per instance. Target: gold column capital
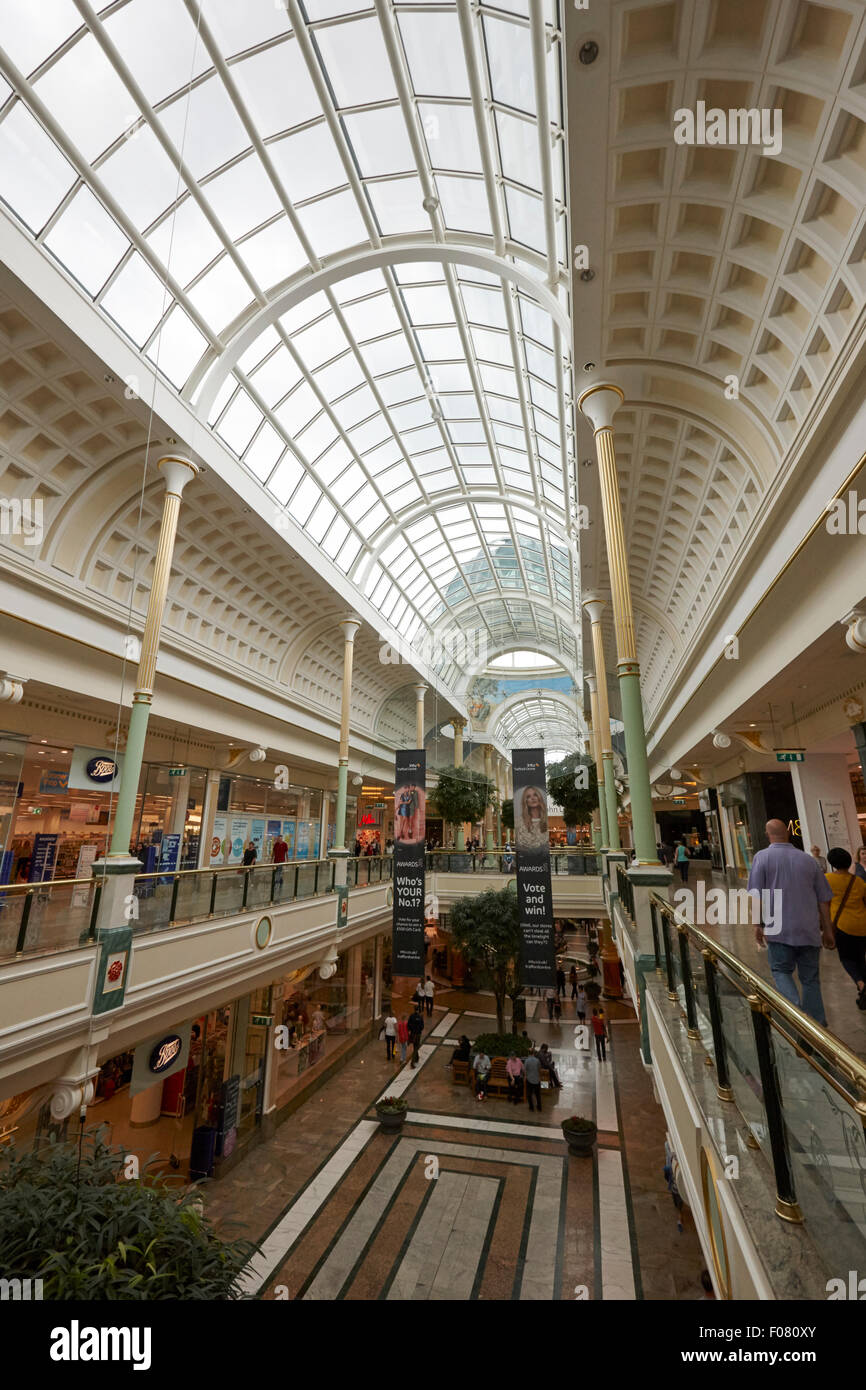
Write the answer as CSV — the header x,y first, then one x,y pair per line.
x,y
177,470
600,403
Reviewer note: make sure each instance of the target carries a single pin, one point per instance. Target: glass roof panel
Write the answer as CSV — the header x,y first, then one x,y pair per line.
x,y
357,62
404,417
36,176
31,32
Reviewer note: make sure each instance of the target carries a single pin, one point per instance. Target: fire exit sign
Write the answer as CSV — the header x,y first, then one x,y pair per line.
x,y
790,755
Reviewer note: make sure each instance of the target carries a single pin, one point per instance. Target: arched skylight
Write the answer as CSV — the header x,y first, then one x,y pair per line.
x,y
339,229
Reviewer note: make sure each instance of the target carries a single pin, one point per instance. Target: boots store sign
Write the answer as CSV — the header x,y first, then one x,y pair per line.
x,y
99,769
158,1058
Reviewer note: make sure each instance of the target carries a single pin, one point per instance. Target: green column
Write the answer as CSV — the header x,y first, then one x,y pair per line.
x,y
638,766
610,799
132,763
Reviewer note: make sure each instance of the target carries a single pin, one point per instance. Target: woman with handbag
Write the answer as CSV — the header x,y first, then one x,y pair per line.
x,y
848,918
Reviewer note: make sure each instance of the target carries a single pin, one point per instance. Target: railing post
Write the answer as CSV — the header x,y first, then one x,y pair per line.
x,y
654,923
295,892
669,960
688,983
273,885
213,888
94,911
247,873
787,1206
174,889
720,1050
25,918
316,880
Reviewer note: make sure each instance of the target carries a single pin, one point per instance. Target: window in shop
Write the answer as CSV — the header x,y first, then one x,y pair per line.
x,y
317,1014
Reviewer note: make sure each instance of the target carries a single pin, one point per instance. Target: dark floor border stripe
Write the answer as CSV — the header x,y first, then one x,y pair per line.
x,y
629,1205
560,1232
488,1240
524,1236
598,1289
410,1167
300,1236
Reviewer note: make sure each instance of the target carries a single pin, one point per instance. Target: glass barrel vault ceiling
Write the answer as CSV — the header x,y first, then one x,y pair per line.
x,y
190,163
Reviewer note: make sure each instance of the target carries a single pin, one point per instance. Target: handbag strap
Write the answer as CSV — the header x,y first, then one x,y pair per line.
x,y
841,907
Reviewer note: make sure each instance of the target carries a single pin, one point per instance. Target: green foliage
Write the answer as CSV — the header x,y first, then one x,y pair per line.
x,y
580,1124
88,1233
508,813
502,1044
392,1105
461,795
486,928
577,804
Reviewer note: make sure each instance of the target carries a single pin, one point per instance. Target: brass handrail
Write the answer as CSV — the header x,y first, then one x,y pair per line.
x,y
45,883
821,1038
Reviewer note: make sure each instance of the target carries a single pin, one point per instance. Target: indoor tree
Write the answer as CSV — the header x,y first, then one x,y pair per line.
x,y
461,795
70,1216
486,928
572,784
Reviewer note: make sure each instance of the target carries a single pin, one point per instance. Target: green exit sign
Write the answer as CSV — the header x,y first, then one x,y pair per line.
x,y
791,755
378,806
261,1020
679,801
177,772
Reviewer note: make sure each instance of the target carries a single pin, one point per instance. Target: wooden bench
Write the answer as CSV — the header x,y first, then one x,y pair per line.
x,y
497,1081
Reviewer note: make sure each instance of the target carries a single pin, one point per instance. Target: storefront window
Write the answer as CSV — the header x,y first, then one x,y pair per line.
x,y
315,1015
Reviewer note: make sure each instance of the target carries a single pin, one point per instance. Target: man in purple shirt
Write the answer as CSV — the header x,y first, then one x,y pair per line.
x,y
799,921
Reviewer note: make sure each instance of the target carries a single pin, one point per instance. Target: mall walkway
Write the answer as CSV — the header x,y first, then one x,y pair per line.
x,y
344,1211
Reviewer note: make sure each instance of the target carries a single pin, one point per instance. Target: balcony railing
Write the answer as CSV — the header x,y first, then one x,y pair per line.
x,y
625,888
800,1091
571,863
59,914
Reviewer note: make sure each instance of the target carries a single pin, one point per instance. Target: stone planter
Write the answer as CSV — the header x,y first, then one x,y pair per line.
x,y
390,1120
581,1142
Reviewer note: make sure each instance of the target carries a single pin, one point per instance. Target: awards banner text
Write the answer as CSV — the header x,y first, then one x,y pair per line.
x,y
534,889
408,953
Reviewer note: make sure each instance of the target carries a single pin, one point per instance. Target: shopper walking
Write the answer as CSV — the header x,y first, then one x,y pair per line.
x,y
682,860
560,981
390,1036
860,862
403,1037
415,1025
848,919
572,980
429,990
819,858
797,897
532,1073
550,997
599,1035
580,1004
279,853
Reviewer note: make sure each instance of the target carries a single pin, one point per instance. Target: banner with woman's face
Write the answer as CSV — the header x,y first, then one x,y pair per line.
x,y
534,889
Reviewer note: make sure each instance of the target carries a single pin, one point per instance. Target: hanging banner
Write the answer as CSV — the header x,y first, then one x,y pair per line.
x,y
534,890
409,952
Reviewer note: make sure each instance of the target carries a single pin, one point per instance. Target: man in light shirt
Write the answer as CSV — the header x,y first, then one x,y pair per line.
x,y
801,921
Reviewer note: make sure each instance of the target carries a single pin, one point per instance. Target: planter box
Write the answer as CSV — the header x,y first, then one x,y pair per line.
x,y
391,1120
581,1142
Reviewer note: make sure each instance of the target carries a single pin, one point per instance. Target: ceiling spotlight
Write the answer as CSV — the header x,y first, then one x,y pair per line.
x,y
588,52
589,366
721,740
587,463
109,379
587,274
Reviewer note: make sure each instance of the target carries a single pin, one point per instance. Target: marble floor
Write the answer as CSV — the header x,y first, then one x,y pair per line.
x,y
471,1200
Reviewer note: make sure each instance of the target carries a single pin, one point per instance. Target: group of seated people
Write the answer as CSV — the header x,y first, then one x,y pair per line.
x,y
524,1075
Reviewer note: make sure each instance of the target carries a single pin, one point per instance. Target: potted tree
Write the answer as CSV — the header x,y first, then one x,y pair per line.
x,y
461,796
486,929
391,1112
573,785
580,1134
